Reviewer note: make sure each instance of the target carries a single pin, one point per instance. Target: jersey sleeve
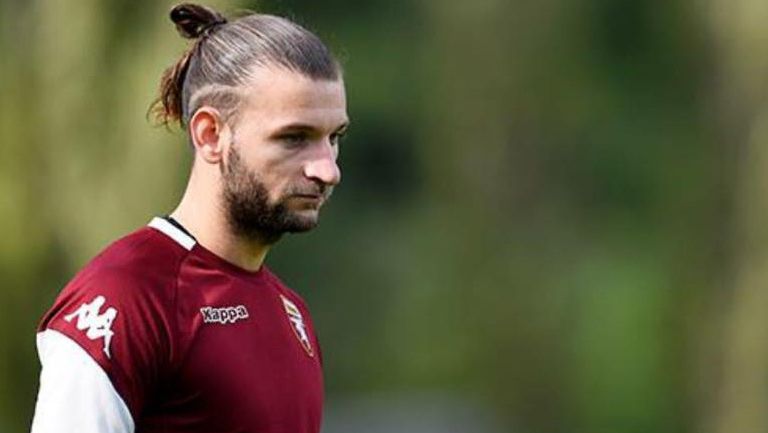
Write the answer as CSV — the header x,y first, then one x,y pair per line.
x,y
75,393
102,347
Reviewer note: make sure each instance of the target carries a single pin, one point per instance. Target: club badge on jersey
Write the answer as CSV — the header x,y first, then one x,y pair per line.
x,y
297,323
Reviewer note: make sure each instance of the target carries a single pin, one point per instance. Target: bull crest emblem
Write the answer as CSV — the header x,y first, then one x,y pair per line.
x,y
297,323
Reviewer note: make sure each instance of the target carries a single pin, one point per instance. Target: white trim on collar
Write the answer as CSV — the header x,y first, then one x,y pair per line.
x,y
172,232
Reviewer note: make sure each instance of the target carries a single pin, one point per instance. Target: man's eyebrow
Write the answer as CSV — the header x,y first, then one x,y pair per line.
x,y
297,127
309,128
343,127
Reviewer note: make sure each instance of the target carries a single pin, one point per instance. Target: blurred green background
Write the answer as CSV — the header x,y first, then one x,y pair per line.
x,y
552,217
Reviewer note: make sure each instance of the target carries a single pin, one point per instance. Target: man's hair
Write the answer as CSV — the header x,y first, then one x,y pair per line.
x,y
223,57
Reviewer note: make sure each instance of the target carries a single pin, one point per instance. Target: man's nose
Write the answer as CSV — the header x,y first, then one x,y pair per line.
x,y
323,167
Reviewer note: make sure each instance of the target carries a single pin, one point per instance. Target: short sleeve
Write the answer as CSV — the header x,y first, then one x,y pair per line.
x,y
75,393
106,339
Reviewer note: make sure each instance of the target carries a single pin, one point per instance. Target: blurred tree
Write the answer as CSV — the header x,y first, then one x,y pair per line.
x,y
742,106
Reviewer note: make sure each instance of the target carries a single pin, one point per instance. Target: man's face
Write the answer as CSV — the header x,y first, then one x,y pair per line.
x,y
281,164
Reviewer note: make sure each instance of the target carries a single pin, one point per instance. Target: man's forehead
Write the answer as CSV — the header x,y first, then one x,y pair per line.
x,y
282,95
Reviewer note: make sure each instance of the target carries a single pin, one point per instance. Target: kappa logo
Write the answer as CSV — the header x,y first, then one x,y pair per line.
x,y
98,325
297,322
224,315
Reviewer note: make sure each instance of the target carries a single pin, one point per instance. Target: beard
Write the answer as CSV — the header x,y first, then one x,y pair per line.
x,y
250,213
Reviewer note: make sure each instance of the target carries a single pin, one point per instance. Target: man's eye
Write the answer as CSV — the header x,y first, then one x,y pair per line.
x,y
294,139
336,138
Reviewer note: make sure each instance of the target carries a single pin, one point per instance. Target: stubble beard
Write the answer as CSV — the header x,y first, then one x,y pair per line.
x,y
249,212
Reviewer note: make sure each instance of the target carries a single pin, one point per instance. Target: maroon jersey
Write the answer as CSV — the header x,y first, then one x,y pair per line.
x,y
158,334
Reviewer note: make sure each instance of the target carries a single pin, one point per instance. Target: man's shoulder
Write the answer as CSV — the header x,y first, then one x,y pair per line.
x,y
145,255
137,271
119,306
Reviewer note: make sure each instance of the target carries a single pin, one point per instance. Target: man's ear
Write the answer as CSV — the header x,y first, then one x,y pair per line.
x,y
209,134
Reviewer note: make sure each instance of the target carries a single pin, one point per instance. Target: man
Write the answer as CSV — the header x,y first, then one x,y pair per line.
x,y
179,327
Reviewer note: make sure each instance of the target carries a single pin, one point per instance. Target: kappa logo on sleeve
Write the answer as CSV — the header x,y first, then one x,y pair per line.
x,y
98,325
297,323
224,315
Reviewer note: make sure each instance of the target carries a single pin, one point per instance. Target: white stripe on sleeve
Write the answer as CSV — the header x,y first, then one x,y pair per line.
x,y
75,396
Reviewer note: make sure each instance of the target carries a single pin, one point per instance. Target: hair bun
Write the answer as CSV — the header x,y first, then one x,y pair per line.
x,y
194,20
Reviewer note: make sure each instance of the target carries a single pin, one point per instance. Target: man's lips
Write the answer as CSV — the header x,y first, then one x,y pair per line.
x,y
319,195
313,198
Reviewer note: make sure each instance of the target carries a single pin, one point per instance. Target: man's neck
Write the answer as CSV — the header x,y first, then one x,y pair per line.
x,y
205,222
